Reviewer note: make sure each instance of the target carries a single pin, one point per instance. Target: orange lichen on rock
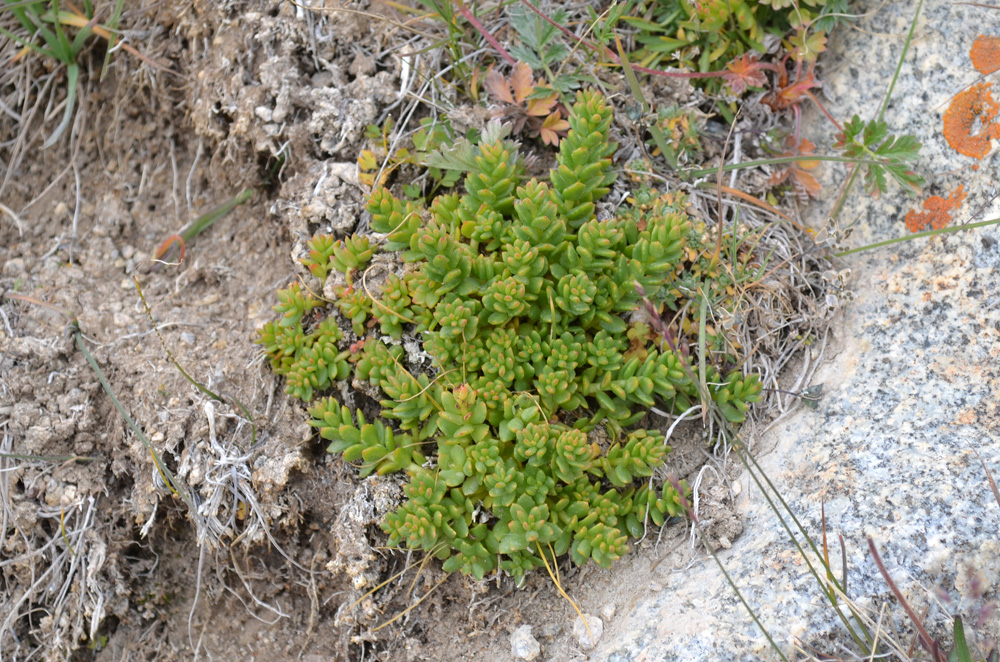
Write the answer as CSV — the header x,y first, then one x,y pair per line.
x,y
985,54
938,211
970,106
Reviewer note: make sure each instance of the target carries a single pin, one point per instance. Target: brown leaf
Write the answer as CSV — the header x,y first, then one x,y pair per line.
x,y
522,81
498,86
804,183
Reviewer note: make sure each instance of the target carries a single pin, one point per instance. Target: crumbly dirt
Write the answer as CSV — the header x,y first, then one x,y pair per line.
x,y
98,559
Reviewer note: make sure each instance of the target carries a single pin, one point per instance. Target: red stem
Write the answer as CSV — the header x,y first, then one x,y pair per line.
x,y
165,246
925,639
483,31
824,110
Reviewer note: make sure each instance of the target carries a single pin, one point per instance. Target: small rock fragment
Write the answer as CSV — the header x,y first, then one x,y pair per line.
x,y
608,611
523,646
13,266
263,113
588,638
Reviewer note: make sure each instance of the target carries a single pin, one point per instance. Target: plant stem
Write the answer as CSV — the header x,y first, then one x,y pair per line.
x,y
779,160
838,206
919,235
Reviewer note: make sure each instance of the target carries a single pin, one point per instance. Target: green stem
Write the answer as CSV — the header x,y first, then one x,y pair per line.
x,y
899,64
842,198
779,160
919,235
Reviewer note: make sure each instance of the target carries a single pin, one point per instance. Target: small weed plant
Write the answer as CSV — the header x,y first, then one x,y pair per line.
x,y
705,36
520,441
44,27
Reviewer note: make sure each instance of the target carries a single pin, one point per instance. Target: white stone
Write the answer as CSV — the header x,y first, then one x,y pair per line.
x,y
588,638
263,113
523,646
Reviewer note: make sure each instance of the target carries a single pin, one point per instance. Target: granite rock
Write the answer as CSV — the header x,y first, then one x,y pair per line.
x,y
912,394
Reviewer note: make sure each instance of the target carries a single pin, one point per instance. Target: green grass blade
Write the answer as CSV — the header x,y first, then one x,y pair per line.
x,y
729,580
633,84
27,44
165,473
81,36
778,160
73,75
206,220
65,48
899,64
842,198
194,382
113,38
919,235
960,653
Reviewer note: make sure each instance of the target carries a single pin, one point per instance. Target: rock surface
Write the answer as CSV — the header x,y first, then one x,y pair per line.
x,y
912,393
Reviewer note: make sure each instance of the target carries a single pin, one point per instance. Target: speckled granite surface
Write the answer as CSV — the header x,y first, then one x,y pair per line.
x,y
912,390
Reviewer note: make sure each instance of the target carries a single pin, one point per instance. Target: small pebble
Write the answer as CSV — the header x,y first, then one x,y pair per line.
x,y
523,646
128,251
13,266
737,488
187,338
588,638
608,612
263,113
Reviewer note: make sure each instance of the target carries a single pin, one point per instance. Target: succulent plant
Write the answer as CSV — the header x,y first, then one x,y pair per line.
x,y
318,260
520,297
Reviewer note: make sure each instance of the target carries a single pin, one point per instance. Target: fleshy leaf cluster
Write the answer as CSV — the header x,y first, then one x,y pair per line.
x,y
519,440
310,362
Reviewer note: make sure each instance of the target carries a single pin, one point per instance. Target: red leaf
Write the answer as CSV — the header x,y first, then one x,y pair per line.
x,y
742,72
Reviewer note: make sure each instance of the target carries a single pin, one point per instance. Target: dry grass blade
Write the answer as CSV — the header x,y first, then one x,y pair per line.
x,y
416,604
993,485
562,592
